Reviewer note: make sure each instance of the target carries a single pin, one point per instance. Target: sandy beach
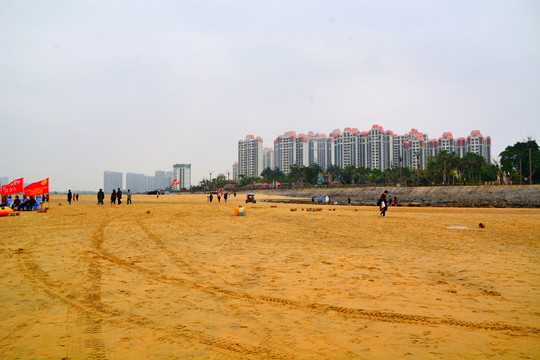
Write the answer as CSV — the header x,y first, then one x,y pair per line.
x,y
177,277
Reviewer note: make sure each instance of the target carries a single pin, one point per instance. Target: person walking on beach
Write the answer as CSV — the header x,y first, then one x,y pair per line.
x,y
119,196
128,197
113,197
218,198
77,197
225,196
383,204
211,197
100,197
69,197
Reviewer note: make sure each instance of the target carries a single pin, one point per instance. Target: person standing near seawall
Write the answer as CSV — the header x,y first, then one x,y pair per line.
x,y
383,203
128,197
69,197
119,196
100,197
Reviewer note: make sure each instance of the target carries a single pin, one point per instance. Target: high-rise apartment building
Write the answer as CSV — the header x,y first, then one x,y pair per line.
x,y
268,158
285,151
112,180
346,145
302,150
235,175
182,173
250,156
479,145
415,150
137,183
317,150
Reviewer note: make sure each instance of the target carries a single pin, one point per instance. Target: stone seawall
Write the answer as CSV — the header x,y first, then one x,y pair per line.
x,y
456,196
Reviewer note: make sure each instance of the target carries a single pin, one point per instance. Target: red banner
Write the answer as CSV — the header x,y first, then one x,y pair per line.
x,y
175,182
14,187
37,188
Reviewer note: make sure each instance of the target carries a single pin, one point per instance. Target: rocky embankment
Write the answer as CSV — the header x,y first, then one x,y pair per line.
x,y
527,196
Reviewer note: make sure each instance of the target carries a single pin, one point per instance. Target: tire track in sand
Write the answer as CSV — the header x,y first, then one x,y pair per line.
x,y
371,315
179,333
179,330
176,260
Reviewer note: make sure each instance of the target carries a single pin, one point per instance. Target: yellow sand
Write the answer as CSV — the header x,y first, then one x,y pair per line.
x,y
191,280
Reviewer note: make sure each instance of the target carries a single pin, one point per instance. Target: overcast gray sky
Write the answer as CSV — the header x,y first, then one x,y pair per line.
x,y
137,86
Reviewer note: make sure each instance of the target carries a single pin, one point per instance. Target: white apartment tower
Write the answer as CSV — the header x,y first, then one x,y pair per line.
x,y
268,158
112,180
415,150
302,150
250,156
182,173
137,183
480,145
317,150
285,151
346,145
235,171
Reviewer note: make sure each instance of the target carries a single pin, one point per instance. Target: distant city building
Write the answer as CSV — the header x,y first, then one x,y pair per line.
x,y
285,151
373,149
235,171
302,150
479,145
137,183
317,149
4,180
112,180
250,156
159,180
268,158
182,173
346,144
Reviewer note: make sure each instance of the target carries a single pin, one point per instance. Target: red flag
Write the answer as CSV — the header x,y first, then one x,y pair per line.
x,y
14,187
37,188
175,182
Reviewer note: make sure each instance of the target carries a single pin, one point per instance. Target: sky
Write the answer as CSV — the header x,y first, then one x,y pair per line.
x,y
138,86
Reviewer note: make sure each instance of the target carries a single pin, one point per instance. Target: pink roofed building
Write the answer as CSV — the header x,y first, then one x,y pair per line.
x,y
250,156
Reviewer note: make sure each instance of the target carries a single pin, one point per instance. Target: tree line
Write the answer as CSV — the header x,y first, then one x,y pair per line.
x,y
518,164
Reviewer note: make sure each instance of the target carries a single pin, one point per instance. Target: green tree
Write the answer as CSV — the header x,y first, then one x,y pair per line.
x,y
297,174
334,173
516,162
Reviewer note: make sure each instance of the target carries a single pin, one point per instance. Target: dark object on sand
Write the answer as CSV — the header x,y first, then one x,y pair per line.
x,y
482,225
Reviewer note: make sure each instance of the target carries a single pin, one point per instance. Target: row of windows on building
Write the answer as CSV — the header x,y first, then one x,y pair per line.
x,y
140,183
373,149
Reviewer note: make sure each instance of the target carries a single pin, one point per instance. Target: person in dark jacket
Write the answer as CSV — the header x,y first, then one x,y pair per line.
x,y
100,197
69,197
383,204
113,197
119,196
30,203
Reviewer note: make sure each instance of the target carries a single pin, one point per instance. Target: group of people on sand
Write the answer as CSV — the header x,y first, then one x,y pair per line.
x,y
22,204
116,195
320,200
71,196
219,195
